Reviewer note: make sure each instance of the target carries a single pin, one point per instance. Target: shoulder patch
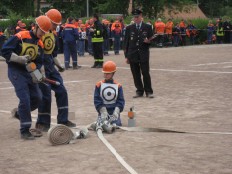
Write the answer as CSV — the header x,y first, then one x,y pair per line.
x,y
115,82
23,35
40,43
98,84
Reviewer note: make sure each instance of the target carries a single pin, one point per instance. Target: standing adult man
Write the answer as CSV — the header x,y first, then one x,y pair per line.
x,y
50,42
97,41
136,50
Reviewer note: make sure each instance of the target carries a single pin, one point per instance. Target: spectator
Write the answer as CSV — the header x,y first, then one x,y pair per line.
x,y
159,30
136,50
210,30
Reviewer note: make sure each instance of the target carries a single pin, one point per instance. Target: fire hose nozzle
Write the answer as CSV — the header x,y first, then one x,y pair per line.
x,y
51,81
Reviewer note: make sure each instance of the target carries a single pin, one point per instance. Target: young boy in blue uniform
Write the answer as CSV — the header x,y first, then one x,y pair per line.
x,y
108,98
21,50
50,42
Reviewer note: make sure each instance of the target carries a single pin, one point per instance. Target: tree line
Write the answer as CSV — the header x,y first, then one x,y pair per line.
x,y
151,8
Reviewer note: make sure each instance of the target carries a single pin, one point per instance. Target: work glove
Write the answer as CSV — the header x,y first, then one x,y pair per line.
x,y
58,64
115,114
37,76
20,59
103,114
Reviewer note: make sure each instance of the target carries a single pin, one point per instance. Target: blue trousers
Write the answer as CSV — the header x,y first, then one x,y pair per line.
x,y
28,93
106,46
209,36
90,45
61,95
116,44
81,47
70,49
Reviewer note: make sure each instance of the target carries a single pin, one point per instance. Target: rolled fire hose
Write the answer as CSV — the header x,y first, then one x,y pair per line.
x,y
60,134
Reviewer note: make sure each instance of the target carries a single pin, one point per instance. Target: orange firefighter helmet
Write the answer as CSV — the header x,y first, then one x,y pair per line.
x,y
44,23
55,16
109,67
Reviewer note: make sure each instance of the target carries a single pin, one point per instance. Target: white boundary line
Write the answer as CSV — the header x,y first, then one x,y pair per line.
x,y
205,64
176,70
7,88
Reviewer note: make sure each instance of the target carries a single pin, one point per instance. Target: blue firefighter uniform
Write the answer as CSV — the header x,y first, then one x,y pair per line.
x,y
70,36
28,93
109,94
50,41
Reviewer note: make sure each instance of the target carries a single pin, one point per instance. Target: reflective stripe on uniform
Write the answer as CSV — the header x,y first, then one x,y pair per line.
x,y
39,113
26,123
97,39
99,60
63,107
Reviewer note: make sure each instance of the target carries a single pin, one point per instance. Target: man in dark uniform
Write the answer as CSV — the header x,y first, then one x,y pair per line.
x,y
136,49
97,41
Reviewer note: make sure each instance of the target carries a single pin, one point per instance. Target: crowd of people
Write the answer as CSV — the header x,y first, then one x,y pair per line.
x,y
167,34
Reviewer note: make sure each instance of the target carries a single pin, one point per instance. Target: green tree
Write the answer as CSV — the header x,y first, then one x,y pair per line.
x,y
112,6
223,7
22,7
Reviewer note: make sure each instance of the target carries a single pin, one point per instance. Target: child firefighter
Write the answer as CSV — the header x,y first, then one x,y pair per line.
x,y
108,99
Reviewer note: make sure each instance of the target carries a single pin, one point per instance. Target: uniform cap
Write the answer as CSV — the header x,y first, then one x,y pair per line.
x,y
136,12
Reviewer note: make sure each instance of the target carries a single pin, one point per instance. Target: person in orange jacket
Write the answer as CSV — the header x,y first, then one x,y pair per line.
x,y
168,30
159,30
182,32
116,32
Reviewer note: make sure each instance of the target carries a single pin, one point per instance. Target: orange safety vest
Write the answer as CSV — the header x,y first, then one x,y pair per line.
x,y
168,27
159,27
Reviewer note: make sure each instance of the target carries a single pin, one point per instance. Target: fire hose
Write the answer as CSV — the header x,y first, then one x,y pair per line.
x,y
114,152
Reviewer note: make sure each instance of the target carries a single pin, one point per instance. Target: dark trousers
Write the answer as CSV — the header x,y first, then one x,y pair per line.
x,y
106,46
116,44
98,52
61,95
142,86
28,93
70,49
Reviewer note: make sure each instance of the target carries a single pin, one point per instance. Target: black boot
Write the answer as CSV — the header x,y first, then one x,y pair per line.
x,y
99,65
94,65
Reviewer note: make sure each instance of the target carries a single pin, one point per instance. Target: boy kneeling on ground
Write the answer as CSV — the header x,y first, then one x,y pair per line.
x,y
108,100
